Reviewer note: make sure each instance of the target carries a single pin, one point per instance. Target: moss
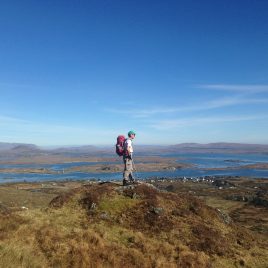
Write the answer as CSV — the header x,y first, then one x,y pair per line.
x,y
116,204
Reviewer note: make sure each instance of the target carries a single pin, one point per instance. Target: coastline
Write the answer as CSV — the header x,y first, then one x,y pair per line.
x,y
43,168
263,166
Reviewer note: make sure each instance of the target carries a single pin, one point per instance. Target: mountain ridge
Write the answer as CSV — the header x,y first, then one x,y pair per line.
x,y
216,147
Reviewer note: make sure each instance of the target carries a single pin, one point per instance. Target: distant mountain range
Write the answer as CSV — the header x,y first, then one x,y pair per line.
x,y
17,147
220,147
10,150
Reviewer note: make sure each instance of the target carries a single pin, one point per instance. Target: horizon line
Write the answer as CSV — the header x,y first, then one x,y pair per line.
x,y
139,144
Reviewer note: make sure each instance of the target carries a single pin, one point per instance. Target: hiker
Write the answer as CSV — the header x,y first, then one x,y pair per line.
x,y
128,159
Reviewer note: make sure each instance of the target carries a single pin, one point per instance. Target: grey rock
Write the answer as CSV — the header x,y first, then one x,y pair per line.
x,y
135,196
157,210
224,216
105,216
93,206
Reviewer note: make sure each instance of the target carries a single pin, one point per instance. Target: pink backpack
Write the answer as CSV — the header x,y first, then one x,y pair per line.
x,y
119,147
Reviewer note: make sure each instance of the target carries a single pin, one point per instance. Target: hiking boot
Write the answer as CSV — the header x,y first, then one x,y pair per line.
x,y
133,181
126,183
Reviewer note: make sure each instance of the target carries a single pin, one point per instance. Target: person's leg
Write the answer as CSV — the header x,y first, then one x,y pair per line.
x,y
131,177
128,170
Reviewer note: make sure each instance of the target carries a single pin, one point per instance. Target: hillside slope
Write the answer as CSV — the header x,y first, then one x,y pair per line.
x,y
106,225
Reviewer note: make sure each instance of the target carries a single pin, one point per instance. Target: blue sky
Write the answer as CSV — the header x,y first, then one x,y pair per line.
x,y
82,72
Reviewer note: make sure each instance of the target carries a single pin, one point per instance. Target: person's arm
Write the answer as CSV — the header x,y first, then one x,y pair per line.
x,y
129,150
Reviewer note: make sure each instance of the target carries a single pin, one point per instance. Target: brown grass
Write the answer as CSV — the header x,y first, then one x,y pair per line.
x,y
138,227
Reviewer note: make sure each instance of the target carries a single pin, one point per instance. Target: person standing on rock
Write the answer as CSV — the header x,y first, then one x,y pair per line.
x,y
128,158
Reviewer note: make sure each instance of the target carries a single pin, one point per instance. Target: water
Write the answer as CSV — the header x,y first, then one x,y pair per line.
x,y
212,160
55,167
201,162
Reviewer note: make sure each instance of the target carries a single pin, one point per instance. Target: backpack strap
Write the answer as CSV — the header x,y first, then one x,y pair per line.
x,y
125,147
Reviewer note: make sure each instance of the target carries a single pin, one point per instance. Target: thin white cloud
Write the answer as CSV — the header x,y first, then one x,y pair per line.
x,y
17,130
185,122
140,113
236,88
18,86
8,120
201,106
235,100
17,123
